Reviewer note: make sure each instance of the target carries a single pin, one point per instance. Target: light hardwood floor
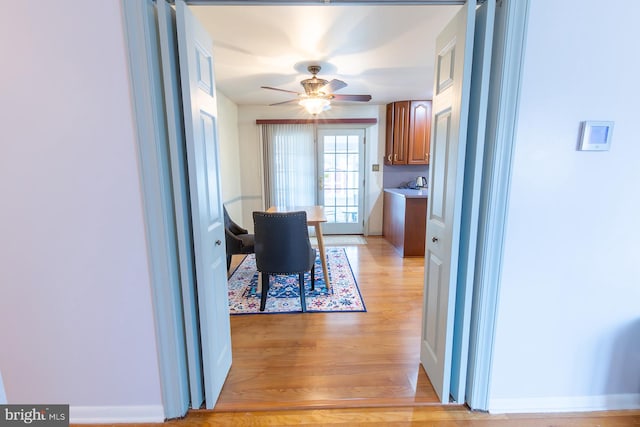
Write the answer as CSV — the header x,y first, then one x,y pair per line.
x,y
328,360
352,369
427,416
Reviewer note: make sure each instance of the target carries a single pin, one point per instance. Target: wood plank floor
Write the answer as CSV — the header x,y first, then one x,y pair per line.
x,y
328,360
352,369
427,416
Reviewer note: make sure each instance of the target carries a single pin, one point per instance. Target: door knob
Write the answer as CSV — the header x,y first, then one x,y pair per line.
x,y
434,239
218,242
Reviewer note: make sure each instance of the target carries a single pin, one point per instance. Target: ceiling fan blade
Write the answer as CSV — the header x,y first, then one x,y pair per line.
x,y
333,86
284,102
360,98
281,90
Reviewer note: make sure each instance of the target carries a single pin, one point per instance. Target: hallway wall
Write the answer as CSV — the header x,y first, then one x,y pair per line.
x,y
76,324
230,156
568,332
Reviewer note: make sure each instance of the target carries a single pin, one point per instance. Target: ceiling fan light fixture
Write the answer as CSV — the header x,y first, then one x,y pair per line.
x,y
315,105
318,93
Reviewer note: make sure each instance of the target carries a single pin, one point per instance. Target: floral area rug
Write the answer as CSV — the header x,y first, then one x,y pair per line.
x,y
284,290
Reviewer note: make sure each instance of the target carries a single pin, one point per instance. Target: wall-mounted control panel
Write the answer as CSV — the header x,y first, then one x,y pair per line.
x,y
595,136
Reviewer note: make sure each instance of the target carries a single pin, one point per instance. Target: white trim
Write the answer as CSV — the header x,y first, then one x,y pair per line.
x,y
605,402
116,414
508,55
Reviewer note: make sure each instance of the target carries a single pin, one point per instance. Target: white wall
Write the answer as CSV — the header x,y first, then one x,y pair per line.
x,y
568,335
76,324
251,162
230,164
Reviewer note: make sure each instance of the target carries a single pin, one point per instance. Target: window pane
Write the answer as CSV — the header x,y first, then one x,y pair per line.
x,y
341,144
330,214
354,146
329,198
341,197
352,180
351,214
329,144
329,180
340,215
329,161
352,197
352,162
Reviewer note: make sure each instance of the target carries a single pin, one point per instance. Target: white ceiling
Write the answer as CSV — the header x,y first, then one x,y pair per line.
x,y
385,51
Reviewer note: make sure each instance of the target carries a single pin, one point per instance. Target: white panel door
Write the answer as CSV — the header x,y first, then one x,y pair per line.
x,y
201,135
341,179
173,100
449,129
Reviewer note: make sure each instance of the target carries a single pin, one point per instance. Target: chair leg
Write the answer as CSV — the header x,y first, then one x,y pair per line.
x,y
265,291
302,300
313,277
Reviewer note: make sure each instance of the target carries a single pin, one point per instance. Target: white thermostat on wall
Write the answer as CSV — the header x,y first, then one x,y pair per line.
x,y
596,136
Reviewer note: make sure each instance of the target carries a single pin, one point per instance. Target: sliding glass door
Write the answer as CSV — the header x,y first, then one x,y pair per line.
x,y
341,179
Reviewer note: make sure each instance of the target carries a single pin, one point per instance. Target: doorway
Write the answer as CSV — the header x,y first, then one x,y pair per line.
x,y
341,179
505,177
372,376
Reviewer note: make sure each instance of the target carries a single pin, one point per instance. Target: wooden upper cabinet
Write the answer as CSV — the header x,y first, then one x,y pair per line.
x,y
419,133
400,132
408,133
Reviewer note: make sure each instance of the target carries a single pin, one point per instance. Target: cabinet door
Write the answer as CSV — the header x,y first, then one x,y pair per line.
x,y
388,150
419,133
400,131
393,220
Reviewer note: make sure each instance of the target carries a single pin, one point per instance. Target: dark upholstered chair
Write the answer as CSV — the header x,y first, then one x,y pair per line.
x,y
238,239
282,247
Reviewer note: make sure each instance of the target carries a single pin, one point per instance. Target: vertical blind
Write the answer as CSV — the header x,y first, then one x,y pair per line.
x,y
288,164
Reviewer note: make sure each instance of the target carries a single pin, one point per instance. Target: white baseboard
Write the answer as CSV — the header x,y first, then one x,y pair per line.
x,y
607,402
116,414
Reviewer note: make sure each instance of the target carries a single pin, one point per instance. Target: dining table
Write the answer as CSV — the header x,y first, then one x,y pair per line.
x,y
315,218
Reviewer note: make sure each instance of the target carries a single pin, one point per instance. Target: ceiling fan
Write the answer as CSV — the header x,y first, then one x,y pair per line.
x,y
318,93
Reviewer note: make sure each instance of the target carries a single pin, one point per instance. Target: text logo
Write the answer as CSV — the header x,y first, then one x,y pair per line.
x,y
34,415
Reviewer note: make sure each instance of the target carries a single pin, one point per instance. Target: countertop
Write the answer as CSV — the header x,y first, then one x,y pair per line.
x,y
409,193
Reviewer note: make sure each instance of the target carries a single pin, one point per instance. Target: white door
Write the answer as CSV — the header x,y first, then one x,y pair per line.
x,y
201,136
173,101
341,179
454,48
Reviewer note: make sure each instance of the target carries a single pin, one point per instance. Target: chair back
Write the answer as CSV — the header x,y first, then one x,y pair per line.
x,y
227,218
282,242
230,224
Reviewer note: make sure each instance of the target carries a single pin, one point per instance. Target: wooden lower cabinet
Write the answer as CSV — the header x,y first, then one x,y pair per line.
x,y
404,223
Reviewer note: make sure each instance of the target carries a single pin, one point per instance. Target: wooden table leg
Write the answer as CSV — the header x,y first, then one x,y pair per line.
x,y
259,288
323,256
